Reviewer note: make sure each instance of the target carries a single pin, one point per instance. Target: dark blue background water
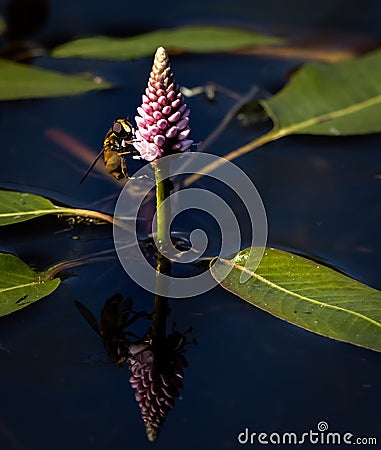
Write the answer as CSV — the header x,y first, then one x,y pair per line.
x,y
322,197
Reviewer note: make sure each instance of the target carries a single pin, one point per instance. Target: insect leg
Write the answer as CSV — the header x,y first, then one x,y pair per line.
x,y
92,165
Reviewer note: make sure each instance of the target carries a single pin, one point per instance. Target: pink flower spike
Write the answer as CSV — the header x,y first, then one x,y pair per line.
x,y
176,103
184,134
146,108
186,143
167,110
183,108
162,124
140,121
144,134
172,132
171,96
175,117
154,130
159,140
163,101
182,124
162,120
183,146
142,113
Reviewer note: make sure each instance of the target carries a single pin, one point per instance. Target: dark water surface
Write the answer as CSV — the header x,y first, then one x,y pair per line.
x,y
249,369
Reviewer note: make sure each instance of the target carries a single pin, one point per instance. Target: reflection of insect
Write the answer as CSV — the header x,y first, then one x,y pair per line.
x,y
116,317
118,138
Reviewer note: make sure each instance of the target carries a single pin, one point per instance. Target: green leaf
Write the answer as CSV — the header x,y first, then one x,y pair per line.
x,y
306,294
342,98
193,39
337,99
21,286
19,81
21,206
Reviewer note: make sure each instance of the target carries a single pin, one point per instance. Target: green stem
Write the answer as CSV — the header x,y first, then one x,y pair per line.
x,y
262,140
162,210
62,211
163,265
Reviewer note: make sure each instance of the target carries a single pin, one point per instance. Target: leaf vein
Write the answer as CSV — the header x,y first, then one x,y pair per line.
x,y
301,297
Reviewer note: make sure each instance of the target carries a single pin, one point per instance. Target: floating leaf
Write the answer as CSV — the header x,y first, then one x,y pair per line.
x,y
193,39
21,286
337,99
307,294
21,206
343,98
19,81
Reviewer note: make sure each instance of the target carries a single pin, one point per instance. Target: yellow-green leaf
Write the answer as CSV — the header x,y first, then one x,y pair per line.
x,y
200,39
334,99
306,294
19,81
342,98
21,206
20,286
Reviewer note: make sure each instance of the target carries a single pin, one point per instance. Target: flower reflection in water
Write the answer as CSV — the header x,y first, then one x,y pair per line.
x,y
156,361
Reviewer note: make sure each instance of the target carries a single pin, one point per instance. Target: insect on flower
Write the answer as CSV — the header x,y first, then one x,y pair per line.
x,y
115,145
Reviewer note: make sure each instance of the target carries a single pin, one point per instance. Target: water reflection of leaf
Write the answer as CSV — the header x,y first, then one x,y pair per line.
x,y
21,286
